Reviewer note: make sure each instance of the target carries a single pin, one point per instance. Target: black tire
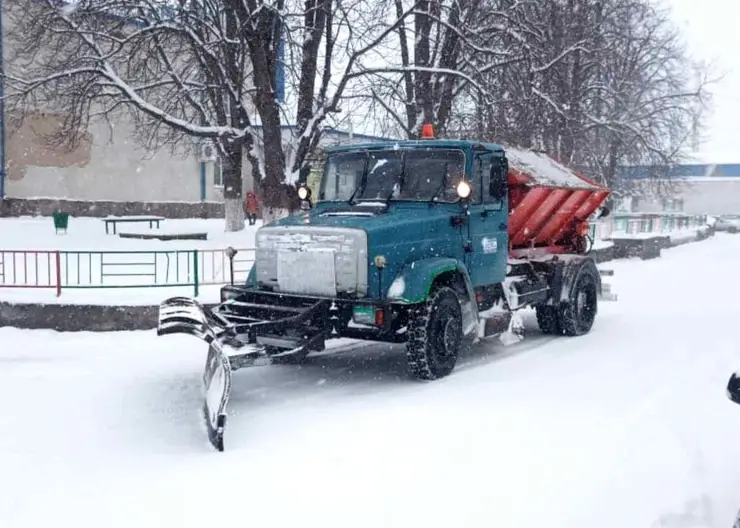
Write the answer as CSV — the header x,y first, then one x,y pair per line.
x,y
548,319
578,313
435,335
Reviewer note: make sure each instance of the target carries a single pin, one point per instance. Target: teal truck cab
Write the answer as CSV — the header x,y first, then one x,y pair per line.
x,y
426,242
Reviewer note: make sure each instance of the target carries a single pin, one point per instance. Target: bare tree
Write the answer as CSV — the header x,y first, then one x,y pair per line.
x,y
598,84
651,98
199,69
434,56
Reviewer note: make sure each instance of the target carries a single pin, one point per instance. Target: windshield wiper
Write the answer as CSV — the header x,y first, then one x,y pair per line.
x,y
351,200
441,187
361,185
400,181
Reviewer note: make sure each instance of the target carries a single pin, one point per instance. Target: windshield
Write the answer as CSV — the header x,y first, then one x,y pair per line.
x,y
393,174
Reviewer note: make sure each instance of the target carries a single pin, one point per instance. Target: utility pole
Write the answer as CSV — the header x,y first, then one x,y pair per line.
x,y
202,176
3,157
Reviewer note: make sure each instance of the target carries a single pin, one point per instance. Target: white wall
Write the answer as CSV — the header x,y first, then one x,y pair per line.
x,y
107,166
701,195
712,196
115,167
120,171
214,191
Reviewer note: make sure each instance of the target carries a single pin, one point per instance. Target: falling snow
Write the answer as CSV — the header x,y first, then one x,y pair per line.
x,y
628,426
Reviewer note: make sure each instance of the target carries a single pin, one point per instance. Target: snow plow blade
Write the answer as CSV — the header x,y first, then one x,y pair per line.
x,y
181,315
216,391
240,334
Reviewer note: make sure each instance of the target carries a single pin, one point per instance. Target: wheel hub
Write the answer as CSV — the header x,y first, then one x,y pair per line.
x,y
451,335
581,301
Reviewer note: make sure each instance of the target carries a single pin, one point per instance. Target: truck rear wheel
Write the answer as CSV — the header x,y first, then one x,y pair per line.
x,y
435,335
577,314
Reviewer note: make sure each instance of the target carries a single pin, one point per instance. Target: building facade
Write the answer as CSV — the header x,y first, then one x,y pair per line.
x,y
695,189
111,164
108,165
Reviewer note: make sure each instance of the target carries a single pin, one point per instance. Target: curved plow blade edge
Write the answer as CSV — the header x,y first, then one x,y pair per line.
x,y
182,315
216,391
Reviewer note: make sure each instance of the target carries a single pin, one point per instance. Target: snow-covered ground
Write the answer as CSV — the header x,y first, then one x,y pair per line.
x,y
91,258
627,427
88,234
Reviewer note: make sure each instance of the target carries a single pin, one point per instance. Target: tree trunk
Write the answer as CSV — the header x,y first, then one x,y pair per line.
x,y
234,214
270,214
263,56
232,175
285,201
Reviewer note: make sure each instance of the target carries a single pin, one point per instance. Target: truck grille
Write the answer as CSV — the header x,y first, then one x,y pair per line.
x,y
313,260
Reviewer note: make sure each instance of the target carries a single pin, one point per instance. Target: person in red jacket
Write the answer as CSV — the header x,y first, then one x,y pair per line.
x,y
253,207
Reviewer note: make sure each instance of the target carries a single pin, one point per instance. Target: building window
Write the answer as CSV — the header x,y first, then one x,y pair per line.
x,y
218,174
672,205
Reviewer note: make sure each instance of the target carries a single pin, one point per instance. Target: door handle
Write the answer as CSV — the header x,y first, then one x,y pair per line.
x,y
486,212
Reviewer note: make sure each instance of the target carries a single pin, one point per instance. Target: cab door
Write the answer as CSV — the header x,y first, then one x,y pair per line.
x,y
488,221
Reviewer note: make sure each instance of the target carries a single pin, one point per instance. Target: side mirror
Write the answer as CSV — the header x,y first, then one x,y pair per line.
x,y
498,184
733,388
605,211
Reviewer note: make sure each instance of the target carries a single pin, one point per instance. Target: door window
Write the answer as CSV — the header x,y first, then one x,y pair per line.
x,y
485,178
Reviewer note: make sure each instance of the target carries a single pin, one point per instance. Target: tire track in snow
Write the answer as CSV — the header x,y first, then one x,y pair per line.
x,y
625,441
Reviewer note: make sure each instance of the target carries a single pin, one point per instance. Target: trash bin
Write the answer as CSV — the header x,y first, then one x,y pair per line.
x,y
61,221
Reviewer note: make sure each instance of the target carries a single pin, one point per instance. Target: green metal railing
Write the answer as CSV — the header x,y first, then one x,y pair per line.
x,y
62,270
637,223
75,270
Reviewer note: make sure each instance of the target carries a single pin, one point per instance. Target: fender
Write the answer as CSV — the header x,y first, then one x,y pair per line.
x,y
414,282
571,270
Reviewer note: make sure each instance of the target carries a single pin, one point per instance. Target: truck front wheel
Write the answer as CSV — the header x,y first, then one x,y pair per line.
x,y
435,335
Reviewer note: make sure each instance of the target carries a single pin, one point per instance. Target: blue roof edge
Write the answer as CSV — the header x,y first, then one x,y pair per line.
x,y
688,170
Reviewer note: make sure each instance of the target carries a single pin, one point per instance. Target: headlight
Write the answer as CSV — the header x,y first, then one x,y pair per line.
x,y
464,189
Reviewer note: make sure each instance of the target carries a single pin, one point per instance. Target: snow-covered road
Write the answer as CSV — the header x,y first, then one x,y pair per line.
x,y
627,427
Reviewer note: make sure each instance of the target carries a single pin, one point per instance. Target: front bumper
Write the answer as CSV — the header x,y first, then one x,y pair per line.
x,y
283,320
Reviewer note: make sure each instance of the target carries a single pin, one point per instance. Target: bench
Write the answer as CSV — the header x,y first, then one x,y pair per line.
x,y
165,236
114,220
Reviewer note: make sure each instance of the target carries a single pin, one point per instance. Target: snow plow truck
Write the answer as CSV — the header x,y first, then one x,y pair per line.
x,y
433,243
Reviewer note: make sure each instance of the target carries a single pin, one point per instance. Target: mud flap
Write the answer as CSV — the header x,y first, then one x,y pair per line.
x,y
216,391
514,333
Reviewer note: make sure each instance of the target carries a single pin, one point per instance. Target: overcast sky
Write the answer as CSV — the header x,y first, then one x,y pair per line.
x,y
712,33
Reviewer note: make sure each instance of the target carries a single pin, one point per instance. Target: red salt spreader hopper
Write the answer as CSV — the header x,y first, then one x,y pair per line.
x,y
551,207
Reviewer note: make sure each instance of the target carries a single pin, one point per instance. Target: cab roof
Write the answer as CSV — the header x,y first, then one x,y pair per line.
x,y
419,143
